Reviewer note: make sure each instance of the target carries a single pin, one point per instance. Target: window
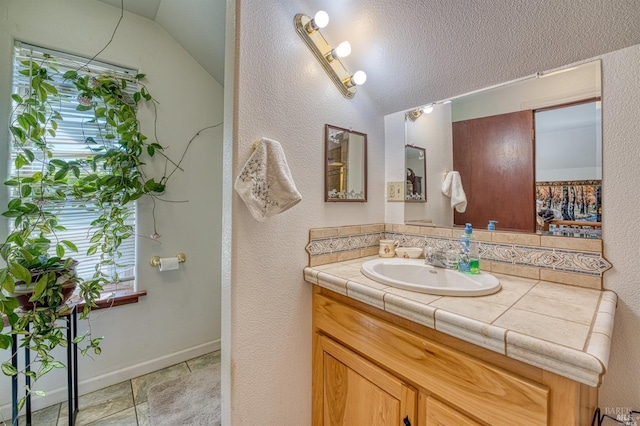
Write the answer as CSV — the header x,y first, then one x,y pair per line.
x,y
69,144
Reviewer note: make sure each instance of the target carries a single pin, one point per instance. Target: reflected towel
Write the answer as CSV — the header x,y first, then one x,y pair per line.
x,y
452,187
265,183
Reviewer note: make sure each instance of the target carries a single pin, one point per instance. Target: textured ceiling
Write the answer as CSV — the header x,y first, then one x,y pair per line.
x,y
417,51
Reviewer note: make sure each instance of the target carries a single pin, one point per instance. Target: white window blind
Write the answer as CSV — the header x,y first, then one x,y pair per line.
x,y
69,144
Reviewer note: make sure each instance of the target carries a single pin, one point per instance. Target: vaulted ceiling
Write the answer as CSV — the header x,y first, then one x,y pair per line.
x,y
198,25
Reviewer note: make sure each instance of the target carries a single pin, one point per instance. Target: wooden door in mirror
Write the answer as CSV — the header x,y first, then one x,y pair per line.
x,y
416,170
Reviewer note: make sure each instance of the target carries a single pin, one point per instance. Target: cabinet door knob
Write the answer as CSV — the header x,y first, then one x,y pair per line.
x,y
406,421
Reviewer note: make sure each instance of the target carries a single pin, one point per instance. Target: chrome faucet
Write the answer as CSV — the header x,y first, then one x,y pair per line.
x,y
440,258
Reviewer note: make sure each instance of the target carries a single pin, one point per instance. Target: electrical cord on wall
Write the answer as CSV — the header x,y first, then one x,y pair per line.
x,y
627,419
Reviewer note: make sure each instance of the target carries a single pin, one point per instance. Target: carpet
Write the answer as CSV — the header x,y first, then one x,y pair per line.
x,y
190,400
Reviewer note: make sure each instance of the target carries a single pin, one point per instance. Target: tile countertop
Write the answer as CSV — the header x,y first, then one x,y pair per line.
x,y
563,329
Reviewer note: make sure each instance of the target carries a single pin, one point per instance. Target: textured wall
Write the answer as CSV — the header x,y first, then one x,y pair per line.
x,y
621,204
283,94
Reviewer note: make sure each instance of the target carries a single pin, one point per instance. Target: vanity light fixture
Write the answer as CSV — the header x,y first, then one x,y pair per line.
x,y
414,114
427,109
309,31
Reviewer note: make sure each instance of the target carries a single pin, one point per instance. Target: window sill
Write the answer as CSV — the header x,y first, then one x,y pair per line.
x,y
108,298
115,295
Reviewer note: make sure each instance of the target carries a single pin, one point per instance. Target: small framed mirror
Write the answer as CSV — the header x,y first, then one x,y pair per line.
x,y
345,165
416,168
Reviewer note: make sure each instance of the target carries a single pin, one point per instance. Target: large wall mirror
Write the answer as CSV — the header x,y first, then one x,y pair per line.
x,y
529,153
345,165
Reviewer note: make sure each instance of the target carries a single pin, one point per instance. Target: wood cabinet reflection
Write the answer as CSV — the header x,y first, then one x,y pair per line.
x,y
345,165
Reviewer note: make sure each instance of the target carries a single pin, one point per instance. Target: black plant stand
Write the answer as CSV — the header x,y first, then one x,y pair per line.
x,y
71,318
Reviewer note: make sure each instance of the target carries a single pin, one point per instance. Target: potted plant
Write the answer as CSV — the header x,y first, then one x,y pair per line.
x,y
106,181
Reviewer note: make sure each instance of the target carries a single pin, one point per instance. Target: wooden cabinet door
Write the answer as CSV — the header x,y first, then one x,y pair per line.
x,y
357,392
436,413
496,160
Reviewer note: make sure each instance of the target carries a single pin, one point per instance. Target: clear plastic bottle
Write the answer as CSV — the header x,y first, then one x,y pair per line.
x,y
474,259
469,260
464,263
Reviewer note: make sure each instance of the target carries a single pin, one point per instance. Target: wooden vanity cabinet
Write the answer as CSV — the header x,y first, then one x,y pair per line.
x,y
357,392
436,413
373,368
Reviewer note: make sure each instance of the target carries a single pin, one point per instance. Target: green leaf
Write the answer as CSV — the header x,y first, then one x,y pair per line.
x,y
14,204
16,98
41,286
70,75
59,250
20,161
62,173
140,76
5,342
29,154
12,213
70,245
25,191
20,272
49,88
92,250
8,369
83,107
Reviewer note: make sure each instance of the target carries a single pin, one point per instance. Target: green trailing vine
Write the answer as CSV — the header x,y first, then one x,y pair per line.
x,y
105,182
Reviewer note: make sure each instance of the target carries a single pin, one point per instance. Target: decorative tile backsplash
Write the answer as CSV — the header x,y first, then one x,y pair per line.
x,y
560,259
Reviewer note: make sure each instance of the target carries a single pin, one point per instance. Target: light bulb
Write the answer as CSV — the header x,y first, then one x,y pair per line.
x,y
428,109
359,77
343,49
321,19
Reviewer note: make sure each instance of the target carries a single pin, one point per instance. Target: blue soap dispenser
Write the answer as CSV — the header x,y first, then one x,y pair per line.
x,y
492,225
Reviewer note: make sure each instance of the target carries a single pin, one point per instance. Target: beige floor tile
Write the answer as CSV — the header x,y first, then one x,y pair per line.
x,y
114,405
142,412
204,361
123,418
100,404
142,384
44,417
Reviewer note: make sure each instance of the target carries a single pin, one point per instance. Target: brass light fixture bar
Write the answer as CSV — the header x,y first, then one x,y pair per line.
x,y
309,32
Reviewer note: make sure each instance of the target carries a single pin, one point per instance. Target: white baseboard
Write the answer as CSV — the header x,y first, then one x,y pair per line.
x,y
93,384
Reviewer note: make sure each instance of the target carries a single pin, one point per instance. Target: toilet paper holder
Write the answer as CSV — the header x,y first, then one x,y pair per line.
x,y
155,260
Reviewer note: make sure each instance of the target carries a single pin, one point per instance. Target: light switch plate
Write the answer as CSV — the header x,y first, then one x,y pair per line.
x,y
395,191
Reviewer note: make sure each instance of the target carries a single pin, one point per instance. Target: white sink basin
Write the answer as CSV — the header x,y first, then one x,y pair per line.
x,y
415,275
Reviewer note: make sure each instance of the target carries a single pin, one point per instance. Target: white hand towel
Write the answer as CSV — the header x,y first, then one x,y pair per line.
x,y
452,187
265,183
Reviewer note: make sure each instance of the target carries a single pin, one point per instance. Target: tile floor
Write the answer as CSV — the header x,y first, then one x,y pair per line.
x,y
123,404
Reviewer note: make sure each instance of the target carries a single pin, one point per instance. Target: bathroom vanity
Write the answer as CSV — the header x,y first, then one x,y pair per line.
x,y
532,354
